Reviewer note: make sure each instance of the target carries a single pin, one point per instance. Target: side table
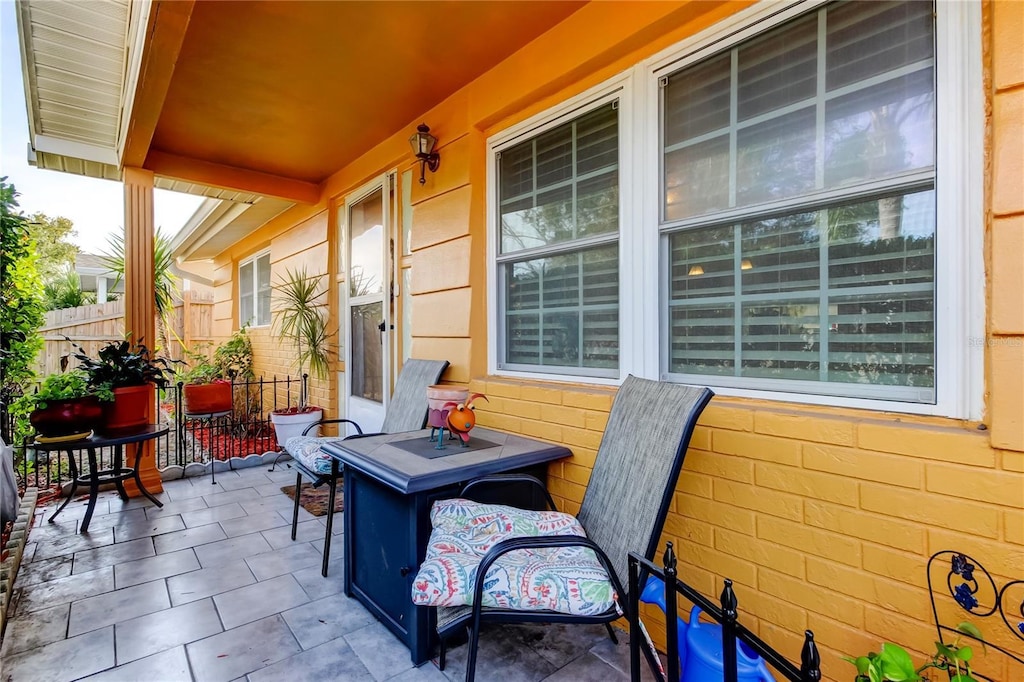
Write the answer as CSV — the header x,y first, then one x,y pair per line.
x,y
96,476
208,419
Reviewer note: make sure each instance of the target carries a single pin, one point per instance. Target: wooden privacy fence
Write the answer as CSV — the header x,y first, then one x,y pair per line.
x,y
94,326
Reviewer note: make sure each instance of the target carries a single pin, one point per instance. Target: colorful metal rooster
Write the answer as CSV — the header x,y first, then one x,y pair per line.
x,y
462,417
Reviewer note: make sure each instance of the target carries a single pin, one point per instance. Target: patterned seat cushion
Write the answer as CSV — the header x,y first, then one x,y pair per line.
x,y
563,579
306,449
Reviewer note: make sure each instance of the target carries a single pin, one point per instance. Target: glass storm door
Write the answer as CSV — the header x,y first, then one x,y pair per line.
x,y
367,325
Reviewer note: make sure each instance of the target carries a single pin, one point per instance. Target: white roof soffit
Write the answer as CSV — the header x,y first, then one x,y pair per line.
x,y
75,57
216,225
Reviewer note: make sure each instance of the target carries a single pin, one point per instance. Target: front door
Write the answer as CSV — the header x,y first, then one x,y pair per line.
x,y
367,307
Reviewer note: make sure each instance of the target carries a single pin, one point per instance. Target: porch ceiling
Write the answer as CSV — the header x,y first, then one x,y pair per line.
x,y
298,89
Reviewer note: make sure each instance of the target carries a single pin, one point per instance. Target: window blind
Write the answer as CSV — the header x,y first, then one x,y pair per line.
x,y
798,205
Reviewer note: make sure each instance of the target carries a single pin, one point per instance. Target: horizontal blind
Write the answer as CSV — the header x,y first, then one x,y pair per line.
x,y
560,304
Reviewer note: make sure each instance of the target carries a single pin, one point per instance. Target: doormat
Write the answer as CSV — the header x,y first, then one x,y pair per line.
x,y
314,500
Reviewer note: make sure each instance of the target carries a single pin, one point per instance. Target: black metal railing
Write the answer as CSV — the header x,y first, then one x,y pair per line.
x,y
726,614
245,430
974,590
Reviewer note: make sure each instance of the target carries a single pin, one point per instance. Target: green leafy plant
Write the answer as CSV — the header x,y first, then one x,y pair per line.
x,y
233,358
200,370
122,364
301,319
57,387
894,664
64,290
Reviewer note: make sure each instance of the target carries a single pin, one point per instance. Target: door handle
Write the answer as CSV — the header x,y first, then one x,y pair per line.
x,y
382,327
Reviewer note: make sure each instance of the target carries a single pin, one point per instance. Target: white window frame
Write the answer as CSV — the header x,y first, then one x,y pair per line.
x,y
254,259
616,89
959,187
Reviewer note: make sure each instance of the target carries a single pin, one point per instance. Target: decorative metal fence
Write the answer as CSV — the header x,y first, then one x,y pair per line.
x,y
726,614
245,430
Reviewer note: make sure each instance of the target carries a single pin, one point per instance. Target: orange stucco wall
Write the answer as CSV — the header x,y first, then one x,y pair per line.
x,y
823,517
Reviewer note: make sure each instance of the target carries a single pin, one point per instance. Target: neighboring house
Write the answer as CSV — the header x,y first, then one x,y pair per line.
x,y
97,277
814,208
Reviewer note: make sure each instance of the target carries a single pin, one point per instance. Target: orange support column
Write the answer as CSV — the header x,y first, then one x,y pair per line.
x,y
139,298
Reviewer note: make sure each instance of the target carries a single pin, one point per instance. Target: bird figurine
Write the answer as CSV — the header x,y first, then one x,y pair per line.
x,y
462,417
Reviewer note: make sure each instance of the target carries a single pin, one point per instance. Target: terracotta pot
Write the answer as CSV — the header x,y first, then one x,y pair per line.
x,y
207,398
437,397
130,408
67,417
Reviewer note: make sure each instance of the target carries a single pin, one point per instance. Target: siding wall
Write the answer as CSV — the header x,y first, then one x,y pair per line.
x,y
823,517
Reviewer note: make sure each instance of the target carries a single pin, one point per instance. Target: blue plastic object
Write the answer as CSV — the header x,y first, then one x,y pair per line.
x,y
654,593
704,655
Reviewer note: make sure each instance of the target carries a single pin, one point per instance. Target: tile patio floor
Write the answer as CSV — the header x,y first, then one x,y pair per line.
x,y
211,588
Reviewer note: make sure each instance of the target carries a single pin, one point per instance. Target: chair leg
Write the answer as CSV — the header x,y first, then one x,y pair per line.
x,y
474,641
330,524
295,511
611,634
442,654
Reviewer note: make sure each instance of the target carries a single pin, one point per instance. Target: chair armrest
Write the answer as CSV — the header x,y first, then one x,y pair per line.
x,y
362,435
496,479
537,542
332,421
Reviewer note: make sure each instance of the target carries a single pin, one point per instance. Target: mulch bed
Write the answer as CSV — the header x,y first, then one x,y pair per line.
x,y
314,500
224,445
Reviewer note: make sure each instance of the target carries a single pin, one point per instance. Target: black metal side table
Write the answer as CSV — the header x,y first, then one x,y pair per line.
x,y
97,476
207,418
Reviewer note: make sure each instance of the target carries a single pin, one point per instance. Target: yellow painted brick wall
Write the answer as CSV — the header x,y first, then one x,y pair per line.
x,y
823,521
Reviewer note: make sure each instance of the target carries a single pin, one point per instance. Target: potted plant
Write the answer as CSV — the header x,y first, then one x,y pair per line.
x,y
64,407
131,373
204,388
894,664
300,318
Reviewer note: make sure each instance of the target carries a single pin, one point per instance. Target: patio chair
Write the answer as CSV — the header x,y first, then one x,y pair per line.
x,y
471,575
407,411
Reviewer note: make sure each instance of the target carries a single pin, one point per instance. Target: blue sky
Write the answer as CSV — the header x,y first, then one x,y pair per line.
x,y
96,207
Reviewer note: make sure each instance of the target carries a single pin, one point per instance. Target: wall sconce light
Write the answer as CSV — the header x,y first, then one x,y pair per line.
x,y
422,143
695,271
745,264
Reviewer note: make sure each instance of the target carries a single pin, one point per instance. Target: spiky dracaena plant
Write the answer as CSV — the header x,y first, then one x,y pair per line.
x,y
300,315
165,283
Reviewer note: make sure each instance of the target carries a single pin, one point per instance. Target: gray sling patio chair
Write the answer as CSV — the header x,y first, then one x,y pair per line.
x,y
407,411
624,509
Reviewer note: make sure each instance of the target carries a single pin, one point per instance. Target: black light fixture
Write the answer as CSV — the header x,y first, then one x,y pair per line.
x,y
422,143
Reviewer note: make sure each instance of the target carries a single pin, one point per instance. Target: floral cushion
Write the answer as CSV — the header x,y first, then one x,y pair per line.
x,y
563,579
306,450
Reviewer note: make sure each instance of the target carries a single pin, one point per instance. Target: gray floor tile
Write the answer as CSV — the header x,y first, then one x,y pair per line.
x,y
36,629
281,561
560,643
277,502
176,507
184,490
252,524
339,523
116,607
253,602
190,537
316,585
202,517
271,489
306,531
503,654
116,518
242,481
326,619
229,496
146,635
244,649
155,567
69,544
91,559
331,661
44,531
382,654
233,548
617,656
427,672
42,571
167,666
209,581
67,659
588,667
76,508
149,527
286,513
64,590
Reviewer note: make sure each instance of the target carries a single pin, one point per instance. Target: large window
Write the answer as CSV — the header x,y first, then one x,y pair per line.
x,y
558,252
254,291
798,207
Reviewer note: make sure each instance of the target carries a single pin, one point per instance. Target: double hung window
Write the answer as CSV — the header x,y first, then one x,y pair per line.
x,y
254,291
798,207
558,254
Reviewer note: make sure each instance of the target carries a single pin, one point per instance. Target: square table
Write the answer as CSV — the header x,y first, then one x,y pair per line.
x,y
391,481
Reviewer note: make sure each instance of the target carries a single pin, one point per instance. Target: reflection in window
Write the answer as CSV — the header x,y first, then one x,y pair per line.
x,y
254,291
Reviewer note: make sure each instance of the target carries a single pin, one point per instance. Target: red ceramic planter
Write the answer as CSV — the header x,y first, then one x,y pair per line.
x,y
66,417
207,398
130,407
